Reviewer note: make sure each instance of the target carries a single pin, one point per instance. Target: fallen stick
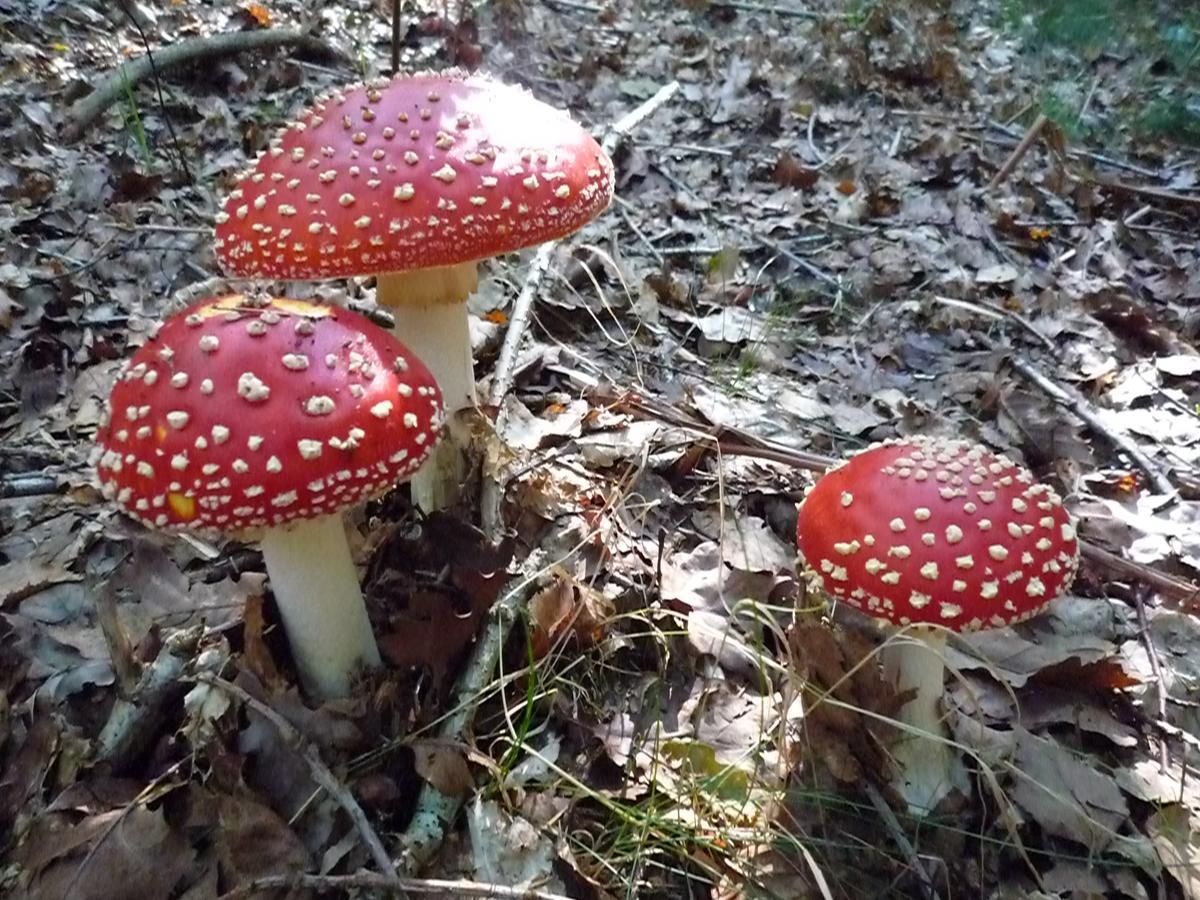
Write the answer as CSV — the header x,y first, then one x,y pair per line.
x,y
519,320
133,722
732,441
369,881
321,773
127,75
25,485
434,810
1019,151
1084,410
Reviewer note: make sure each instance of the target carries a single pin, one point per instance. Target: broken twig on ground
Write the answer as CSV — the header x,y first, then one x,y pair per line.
x,y
134,722
127,75
28,485
1018,152
321,773
370,881
1084,410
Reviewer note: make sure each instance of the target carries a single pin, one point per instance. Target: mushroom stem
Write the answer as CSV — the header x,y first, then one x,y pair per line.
x,y
436,286
927,767
321,605
439,329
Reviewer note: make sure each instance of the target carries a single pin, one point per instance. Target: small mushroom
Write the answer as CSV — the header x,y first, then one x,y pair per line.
x,y
267,417
415,180
943,536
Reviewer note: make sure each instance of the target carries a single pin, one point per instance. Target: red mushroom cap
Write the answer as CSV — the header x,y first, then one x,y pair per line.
x,y
938,531
422,171
243,412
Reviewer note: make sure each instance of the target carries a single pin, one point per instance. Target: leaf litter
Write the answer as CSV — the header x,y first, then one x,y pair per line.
x,y
805,249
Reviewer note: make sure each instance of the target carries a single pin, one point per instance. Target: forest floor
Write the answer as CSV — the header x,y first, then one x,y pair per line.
x,y
806,248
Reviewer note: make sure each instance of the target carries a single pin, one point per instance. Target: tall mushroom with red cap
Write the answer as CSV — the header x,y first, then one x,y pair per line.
x,y
943,536
415,180
267,417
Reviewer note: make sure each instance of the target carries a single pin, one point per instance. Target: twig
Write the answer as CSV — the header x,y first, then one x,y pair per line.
x,y
1073,152
774,247
519,320
785,11
1186,595
1139,600
1084,410
162,103
928,889
132,722
1147,191
502,377
321,773
435,810
85,111
996,312
12,486
733,441
1019,151
369,881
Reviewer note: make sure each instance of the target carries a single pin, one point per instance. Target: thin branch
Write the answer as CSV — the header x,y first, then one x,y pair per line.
x,y
774,247
991,311
1139,601
1084,410
736,442
29,485
370,881
1019,151
519,320
1148,191
321,773
128,75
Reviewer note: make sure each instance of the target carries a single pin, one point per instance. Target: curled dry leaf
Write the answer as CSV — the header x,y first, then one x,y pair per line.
x,y
567,606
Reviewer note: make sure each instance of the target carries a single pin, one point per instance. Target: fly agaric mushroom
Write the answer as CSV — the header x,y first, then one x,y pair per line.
x,y
415,180
269,416
929,532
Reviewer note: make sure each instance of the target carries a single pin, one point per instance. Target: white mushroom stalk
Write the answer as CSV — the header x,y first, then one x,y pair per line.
x,y
927,765
940,533
441,327
268,417
320,604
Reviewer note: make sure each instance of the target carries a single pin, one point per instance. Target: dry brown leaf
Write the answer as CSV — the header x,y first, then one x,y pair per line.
x,y
444,767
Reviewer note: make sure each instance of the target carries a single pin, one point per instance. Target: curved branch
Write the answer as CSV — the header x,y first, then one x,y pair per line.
x,y
127,75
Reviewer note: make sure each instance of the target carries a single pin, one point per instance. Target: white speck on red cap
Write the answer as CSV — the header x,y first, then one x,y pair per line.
x,y
967,571
256,395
